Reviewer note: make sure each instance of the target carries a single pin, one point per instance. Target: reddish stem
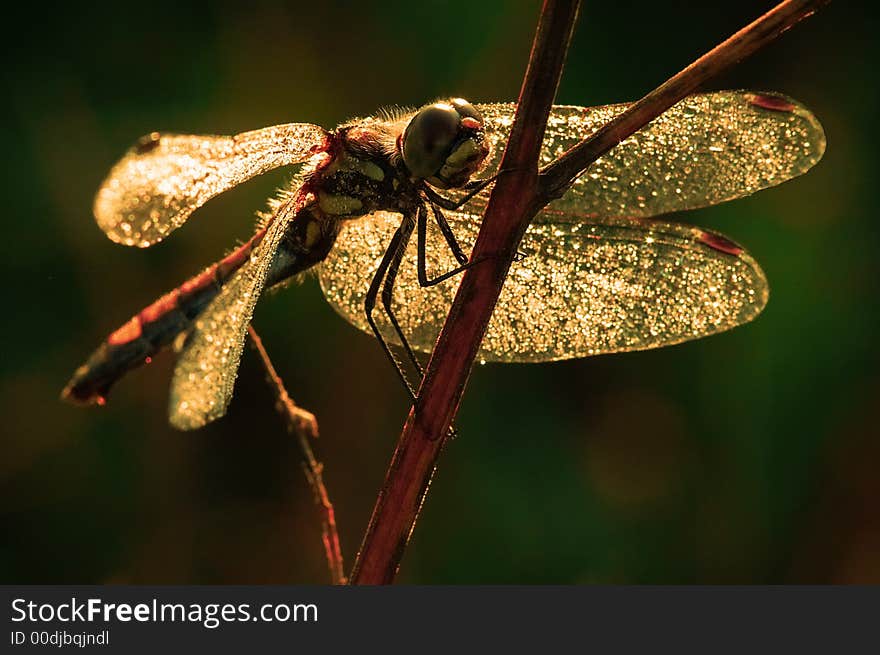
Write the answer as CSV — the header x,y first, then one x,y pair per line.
x,y
508,214
303,424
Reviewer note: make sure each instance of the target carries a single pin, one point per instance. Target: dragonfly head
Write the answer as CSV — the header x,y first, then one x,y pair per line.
x,y
444,143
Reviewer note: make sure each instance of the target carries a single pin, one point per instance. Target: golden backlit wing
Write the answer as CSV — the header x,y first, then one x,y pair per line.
x,y
586,288
601,276
707,149
204,376
165,177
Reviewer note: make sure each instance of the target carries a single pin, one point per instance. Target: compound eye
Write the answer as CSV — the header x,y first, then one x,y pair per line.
x,y
466,109
428,138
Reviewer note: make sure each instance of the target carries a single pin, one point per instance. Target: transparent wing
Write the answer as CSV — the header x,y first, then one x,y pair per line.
x,y
204,376
164,178
707,149
584,288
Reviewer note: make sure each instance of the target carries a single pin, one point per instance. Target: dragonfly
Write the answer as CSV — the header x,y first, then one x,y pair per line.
x,y
604,268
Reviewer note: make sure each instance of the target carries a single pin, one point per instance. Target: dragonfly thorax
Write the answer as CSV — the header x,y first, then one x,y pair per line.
x,y
444,143
359,176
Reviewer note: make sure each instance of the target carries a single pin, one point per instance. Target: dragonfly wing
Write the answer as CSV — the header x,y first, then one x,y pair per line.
x,y
584,288
204,375
165,177
707,149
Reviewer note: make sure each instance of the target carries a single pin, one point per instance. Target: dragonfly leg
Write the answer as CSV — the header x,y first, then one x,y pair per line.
x,y
473,188
387,293
446,230
397,245
421,266
437,202
387,300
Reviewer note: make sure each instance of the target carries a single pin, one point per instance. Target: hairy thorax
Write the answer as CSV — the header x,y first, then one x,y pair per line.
x,y
359,173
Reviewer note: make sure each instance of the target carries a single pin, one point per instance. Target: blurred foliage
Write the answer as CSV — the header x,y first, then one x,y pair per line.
x,y
746,457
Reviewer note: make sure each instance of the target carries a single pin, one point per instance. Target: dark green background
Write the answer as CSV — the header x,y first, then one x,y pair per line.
x,y
746,457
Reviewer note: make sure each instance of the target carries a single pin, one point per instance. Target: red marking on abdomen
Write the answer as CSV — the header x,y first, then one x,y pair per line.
x,y
720,243
233,261
237,258
215,274
129,332
773,103
159,308
200,281
156,326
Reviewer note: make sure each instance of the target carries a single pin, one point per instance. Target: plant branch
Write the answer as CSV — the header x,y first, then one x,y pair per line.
x,y
303,425
556,177
517,196
505,221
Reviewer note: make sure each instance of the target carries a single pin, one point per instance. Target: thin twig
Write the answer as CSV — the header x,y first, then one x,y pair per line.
x,y
304,426
518,194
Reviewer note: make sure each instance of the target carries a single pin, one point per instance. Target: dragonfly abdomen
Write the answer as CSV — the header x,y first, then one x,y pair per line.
x,y
309,239
153,328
